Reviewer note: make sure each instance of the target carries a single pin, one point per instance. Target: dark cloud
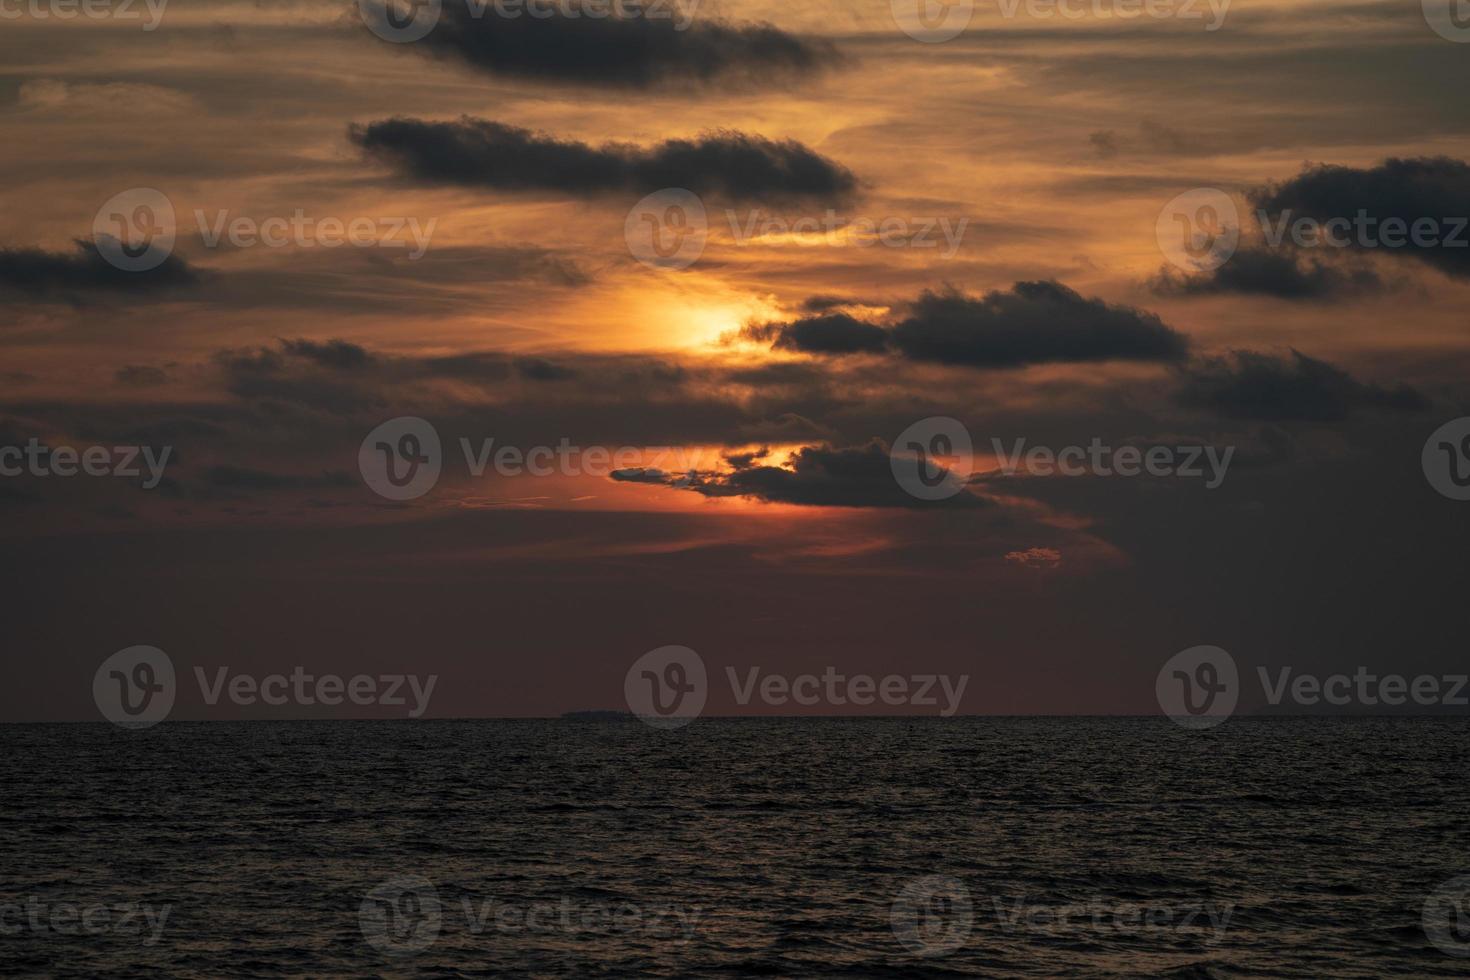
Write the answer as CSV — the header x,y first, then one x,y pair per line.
x,y
540,369
17,495
1279,272
481,367
1408,190
666,47
299,372
337,354
482,153
777,373
1163,139
1153,137
814,476
825,304
643,475
747,459
1104,143
1254,385
832,333
1035,558
65,276
141,376
226,477
1033,323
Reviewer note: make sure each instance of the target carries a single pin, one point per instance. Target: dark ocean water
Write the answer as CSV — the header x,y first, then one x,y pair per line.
x,y
778,848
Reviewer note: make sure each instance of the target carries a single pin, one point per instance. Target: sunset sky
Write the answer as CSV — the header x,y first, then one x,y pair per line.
x,y
1050,145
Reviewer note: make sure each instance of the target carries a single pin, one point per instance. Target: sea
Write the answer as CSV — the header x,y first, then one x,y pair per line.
x,y
775,847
